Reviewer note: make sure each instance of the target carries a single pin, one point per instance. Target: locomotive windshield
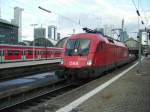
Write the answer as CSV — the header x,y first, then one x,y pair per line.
x,y
77,47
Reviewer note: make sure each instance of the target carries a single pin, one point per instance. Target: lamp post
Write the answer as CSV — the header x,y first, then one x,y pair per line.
x,y
33,25
41,8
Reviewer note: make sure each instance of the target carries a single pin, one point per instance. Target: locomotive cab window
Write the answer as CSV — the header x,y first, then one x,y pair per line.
x,y
77,47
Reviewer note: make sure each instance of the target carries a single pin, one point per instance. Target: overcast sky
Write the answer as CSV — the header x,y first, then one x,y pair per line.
x,y
67,14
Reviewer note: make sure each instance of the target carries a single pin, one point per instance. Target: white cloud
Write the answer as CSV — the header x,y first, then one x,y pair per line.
x,y
65,2
119,13
92,13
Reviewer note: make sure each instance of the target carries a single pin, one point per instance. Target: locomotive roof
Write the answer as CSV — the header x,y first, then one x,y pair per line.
x,y
101,37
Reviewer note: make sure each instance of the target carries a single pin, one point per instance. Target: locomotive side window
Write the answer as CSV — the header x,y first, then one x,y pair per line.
x,y
100,46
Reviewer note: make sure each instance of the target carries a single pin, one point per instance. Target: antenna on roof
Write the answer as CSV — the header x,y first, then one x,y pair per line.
x,y
88,30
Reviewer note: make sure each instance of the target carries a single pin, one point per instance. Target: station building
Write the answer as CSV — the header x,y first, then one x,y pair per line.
x,y
8,33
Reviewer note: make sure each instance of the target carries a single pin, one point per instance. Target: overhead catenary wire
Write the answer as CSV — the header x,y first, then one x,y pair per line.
x,y
138,13
146,19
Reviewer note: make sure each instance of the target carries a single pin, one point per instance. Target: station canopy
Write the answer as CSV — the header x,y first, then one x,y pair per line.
x,y
42,42
61,42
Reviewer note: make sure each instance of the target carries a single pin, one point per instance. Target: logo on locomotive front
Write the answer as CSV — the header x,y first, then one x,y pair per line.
x,y
73,63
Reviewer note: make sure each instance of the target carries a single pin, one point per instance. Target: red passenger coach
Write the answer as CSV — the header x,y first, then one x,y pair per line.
x,y
89,54
13,53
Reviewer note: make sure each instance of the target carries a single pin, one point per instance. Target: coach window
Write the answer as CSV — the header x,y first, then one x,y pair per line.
x,y
9,52
30,52
44,52
1,53
16,52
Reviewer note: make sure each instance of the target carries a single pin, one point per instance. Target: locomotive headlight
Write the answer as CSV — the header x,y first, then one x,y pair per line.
x,y
89,62
62,62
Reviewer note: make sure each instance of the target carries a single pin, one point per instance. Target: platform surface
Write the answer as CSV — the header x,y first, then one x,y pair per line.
x,y
28,63
130,93
27,82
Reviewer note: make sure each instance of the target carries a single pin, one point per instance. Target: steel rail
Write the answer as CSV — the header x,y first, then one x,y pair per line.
x,y
32,93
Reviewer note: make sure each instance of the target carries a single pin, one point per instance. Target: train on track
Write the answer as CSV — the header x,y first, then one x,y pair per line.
x,y
90,54
13,53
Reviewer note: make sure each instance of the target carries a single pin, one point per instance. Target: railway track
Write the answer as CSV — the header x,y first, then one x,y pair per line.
x,y
32,96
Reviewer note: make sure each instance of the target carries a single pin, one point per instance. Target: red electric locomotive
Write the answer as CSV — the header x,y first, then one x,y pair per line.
x,y
89,54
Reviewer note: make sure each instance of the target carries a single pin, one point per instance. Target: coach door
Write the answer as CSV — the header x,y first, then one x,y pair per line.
x,y
39,54
1,55
23,55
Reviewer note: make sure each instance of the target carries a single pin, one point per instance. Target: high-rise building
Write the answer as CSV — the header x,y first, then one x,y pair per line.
x,y
123,36
58,36
39,33
18,21
52,32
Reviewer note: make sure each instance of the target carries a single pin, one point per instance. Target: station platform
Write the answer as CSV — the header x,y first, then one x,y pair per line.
x,y
130,92
28,63
19,90
25,83
28,80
